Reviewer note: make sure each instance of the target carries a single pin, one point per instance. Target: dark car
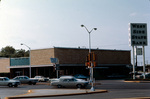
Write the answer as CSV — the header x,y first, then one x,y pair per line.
x,y
26,80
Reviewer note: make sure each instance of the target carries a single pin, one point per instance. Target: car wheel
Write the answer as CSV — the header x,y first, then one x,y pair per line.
x,y
34,83
59,86
79,85
10,84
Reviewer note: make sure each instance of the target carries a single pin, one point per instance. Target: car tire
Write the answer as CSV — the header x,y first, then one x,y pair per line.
x,y
79,86
59,86
10,85
34,83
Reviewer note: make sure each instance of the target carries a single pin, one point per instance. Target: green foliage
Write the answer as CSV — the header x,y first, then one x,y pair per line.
x,y
11,52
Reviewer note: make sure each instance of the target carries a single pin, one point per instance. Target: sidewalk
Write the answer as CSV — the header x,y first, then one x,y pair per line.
x,y
55,92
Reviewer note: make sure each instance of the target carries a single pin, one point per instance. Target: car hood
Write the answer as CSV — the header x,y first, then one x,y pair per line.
x,y
81,80
12,80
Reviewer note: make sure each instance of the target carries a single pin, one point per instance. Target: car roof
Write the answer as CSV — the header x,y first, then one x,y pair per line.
x,y
3,77
21,76
66,77
39,76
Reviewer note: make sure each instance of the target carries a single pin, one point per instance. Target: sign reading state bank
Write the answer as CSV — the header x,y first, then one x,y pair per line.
x,y
138,34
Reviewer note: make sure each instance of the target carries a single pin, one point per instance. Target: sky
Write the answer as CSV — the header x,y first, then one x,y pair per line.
x,y
47,23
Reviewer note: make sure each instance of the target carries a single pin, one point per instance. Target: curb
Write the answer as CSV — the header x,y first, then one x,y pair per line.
x,y
133,81
135,98
138,81
69,94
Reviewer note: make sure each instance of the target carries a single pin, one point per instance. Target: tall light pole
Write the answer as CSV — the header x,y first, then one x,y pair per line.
x,y
29,59
91,68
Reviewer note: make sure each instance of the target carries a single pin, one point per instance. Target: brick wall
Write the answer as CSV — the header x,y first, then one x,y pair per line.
x,y
113,57
78,56
4,65
41,56
71,56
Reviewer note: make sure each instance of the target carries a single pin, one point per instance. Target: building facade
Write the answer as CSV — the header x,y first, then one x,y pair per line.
x,y
4,66
71,62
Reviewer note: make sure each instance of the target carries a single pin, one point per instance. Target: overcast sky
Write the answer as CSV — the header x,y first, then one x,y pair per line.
x,y
47,23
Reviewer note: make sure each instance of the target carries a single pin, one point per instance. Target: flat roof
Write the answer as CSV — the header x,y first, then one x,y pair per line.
x,y
82,48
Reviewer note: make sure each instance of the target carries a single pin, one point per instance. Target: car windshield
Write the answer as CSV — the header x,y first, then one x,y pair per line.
x,y
26,77
6,79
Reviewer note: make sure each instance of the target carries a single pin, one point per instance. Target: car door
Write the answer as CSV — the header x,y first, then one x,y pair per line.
x,y
64,82
69,82
4,82
22,80
72,82
25,80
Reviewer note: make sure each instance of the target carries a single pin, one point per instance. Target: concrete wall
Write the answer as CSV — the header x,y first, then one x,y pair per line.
x,y
4,65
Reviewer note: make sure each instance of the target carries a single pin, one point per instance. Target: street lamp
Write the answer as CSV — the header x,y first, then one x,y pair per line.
x,y
91,68
29,59
89,36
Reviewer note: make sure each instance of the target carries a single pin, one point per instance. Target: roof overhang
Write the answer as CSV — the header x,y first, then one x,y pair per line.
x,y
28,66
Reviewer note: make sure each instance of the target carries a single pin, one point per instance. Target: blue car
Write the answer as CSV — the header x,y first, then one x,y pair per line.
x,y
80,76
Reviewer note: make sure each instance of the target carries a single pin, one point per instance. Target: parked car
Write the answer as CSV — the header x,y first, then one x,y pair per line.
x,y
53,79
141,76
80,76
5,81
69,81
26,80
41,78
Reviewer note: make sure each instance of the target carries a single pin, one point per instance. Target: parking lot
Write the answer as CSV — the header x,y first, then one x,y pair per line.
x,y
115,88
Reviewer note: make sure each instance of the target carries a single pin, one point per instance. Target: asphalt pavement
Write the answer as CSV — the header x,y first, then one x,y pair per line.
x,y
54,92
112,86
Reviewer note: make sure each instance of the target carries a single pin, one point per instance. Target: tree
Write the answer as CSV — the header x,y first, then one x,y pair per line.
x,y
21,53
8,51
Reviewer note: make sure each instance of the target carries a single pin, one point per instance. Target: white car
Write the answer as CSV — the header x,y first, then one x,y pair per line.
x,y
41,78
5,81
69,81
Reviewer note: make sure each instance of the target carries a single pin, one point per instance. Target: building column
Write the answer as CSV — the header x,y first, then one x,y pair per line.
x,y
36,71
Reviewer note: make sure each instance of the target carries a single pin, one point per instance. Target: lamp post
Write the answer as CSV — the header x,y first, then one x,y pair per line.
x,y
91,68
29,59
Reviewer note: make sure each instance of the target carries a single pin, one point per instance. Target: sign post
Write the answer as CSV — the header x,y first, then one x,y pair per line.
x,y
91,63
133,62
138,37
55,62
144,61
